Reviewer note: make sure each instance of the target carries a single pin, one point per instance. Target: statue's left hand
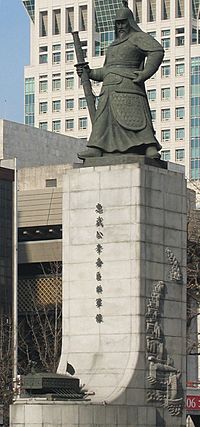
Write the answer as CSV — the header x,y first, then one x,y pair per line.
x,y
138,77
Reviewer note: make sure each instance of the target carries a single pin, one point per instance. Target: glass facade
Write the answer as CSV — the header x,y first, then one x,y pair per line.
x,y
195,118
30,7
30,101
105,11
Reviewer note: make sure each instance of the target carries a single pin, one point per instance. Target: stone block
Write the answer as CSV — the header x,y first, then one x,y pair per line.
x,y
118,178
172,238
154,216
117,215
132,412
86,415
83,200
142,416
33,415
172,327
154,180
116,233
99,415
154,198
173,220
173,202
122,415
17,414
153,234
86,181
82,235
78,217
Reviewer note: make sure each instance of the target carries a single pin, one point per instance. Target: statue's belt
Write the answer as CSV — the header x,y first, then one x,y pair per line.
x,y
115,77
133,67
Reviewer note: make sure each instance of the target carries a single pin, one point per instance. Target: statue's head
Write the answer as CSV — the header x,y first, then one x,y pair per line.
x,y
125,22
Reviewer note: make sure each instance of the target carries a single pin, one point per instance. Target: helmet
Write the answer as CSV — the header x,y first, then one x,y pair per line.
x,y
126,13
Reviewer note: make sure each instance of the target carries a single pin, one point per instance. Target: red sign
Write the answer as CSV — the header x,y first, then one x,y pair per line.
x,y
193,403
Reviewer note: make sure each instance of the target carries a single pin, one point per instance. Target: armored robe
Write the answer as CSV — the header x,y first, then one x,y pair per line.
x,y
123,119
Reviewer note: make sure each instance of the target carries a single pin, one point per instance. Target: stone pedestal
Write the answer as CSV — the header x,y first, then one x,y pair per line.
x,y
124,294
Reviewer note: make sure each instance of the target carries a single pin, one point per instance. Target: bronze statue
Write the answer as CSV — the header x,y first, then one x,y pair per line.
x,y
123,121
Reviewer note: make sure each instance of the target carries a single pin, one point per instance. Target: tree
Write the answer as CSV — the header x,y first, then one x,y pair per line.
x,y
40,328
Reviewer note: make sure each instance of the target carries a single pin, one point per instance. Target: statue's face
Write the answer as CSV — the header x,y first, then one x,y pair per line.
x,y
123,27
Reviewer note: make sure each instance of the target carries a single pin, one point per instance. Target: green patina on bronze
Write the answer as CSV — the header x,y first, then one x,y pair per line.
x,y
123,120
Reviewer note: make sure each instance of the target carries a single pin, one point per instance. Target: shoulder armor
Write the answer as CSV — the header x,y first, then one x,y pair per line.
x,y
146,42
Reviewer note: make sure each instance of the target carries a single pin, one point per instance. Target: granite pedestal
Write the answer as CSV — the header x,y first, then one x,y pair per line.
x,y
124,299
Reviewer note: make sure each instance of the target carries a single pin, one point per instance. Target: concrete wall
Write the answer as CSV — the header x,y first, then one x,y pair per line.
x,y
36,147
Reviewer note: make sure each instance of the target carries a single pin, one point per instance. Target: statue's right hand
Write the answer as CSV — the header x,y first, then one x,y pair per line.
x,y
81,67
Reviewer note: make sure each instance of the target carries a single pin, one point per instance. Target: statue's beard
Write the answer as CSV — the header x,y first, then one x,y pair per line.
x,y
122,34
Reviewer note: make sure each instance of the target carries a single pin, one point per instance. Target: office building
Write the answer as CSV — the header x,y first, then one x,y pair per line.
x,y
54,97
6,244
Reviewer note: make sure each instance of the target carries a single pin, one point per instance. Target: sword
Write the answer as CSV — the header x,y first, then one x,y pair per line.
x,y
90,98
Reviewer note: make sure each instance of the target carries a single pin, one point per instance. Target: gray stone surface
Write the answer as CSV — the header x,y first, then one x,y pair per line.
x,y
110,357
36,147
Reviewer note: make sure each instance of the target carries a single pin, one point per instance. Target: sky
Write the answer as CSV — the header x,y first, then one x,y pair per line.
x,y
14,55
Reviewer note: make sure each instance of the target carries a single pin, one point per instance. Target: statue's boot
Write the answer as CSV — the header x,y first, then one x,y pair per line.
x,y
89,152
152,152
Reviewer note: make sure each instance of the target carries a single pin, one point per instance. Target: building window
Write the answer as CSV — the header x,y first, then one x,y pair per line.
x,y
180,112
82,123
138,10
69,124
179,134
180,40
153,115
56,106
56,55
151,17
165,43
43,107
165,114
69,54
151,93
69,104
56,125
165,32
179,8
56,82
97,48
165,93
43,125
30,101
180,69
83,18
69,20
82,104
180,154
194,35
180,91
69,80
43,86
56,27
43,25
51,182
84,48
165,155
152,33
165,135
165,9
43,54
165,71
